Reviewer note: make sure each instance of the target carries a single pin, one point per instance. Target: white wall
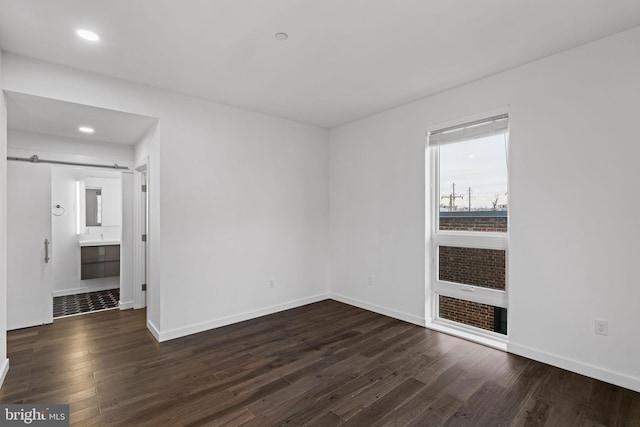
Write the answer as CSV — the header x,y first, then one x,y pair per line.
x,y
4,362
148,146
242,197
377,214
573,239
245,202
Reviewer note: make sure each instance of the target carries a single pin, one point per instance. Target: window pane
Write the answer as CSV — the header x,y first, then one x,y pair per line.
x,y
470,313
471,266
473,185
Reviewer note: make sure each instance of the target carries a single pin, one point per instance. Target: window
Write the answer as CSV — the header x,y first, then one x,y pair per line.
x,y
470,225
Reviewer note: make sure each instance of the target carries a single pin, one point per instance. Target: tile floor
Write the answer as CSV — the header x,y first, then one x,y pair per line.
x,y
84,303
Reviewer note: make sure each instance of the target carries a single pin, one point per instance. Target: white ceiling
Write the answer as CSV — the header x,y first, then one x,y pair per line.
x,y
30,113
345,59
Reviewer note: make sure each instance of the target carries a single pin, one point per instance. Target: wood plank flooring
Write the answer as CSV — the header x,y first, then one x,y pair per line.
x,y
324,364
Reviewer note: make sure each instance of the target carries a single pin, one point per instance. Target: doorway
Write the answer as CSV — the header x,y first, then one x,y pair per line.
x,y
60,262
87,235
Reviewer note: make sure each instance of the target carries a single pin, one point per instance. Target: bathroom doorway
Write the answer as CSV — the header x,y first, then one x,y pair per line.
x,y
60,262
64,240
87,232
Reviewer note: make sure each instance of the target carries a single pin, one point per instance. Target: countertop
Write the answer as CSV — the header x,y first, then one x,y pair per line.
x,y
98,242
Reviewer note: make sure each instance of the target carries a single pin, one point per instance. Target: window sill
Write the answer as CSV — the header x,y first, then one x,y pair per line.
x,y
487,341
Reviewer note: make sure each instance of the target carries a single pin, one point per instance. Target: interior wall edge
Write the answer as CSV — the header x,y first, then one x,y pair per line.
x,y
3,227
154,331
125,305
4,371
597,372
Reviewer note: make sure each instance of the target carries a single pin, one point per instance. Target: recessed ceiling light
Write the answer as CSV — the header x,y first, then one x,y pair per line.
x,y
88,35
86,129
281,36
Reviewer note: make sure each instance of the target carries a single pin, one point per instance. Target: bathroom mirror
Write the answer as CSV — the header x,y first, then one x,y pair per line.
x,y
93,204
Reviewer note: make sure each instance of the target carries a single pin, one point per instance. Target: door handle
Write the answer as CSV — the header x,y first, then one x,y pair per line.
x,y
46,251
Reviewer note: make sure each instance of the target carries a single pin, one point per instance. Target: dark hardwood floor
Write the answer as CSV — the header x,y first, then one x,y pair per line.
x,y
325,364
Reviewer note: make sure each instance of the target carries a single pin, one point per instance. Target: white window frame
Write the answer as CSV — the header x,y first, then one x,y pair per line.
x,y
465,239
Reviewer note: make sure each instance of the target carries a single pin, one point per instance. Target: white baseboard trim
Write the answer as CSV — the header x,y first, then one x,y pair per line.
x,y
4,370
28,324
582,368
125,305
84,290
154,331
205,326
420,321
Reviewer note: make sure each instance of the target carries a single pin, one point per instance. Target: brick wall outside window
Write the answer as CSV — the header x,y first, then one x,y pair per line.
x,y
472,266
465,221
467,312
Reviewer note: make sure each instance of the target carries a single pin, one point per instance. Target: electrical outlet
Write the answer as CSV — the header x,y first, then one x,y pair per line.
x,y
370,280
272,283
601,327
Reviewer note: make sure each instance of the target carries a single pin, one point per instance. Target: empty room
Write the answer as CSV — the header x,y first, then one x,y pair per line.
x,y
322,213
